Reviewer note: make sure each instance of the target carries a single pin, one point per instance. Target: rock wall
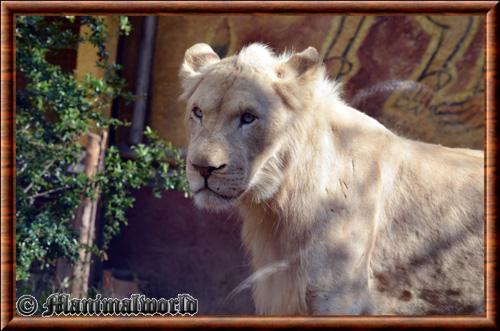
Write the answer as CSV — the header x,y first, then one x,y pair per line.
x,y
422,76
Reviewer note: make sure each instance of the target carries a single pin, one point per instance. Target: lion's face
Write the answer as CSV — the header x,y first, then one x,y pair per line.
x,y
234,119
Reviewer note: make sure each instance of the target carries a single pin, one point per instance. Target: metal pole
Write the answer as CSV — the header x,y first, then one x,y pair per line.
x,y
143,80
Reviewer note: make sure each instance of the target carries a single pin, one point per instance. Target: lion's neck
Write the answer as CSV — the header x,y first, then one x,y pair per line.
x,y
314,156
312,173
300,176
275,230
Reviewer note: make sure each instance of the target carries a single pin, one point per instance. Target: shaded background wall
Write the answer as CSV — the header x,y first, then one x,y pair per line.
x,y
421,76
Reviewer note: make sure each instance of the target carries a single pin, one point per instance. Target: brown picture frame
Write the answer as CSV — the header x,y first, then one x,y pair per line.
x,y
9,9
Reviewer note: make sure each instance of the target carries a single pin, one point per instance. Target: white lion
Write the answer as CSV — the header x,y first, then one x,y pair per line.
x,y
341,216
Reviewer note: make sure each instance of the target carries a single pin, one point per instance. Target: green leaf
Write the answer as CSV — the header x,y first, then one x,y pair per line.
x,y
53,111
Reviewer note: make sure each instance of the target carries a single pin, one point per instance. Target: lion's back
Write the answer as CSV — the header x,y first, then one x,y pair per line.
x,y
428,256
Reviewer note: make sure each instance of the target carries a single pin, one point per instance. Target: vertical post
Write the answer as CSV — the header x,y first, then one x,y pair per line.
x,y
96,144
85,222
143,80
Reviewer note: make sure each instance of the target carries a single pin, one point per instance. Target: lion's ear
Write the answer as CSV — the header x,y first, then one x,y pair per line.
x,y
304,62
300,67
197,56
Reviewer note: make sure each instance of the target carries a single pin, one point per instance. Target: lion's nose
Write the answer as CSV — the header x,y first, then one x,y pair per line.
x,y
206,171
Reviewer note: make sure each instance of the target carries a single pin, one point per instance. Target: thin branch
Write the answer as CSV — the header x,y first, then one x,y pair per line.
x,y
45,193
45,169
23,167
25,128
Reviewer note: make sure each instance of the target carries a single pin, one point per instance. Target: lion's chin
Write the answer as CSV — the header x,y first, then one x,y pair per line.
x,y
206,199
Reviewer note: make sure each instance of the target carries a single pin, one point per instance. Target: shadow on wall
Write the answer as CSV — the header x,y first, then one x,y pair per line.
x,y
171,247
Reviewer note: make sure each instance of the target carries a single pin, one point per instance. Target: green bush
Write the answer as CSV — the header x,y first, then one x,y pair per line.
x,y
53,112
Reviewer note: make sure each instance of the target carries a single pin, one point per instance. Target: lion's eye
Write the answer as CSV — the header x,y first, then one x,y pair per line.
x,y
247,118
197,112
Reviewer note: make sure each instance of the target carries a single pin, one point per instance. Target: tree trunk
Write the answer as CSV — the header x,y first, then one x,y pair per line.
x,y
86,219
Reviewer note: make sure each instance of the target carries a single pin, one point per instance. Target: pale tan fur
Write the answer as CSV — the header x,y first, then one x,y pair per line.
x,y
341,216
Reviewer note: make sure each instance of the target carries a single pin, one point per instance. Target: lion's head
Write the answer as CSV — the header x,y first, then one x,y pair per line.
x,y
239,109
